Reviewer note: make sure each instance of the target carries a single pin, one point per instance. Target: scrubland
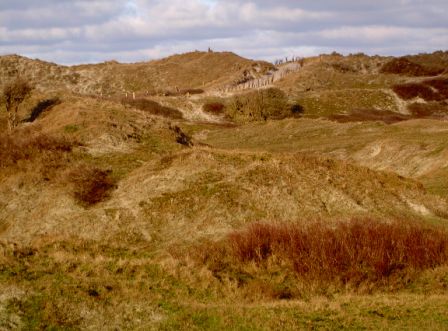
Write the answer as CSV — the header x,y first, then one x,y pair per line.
x,y
317,203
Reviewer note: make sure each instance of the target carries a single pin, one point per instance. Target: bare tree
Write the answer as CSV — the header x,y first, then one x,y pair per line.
x,y
13,94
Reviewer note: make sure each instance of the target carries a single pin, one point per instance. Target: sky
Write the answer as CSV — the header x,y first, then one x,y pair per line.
x,y
91,31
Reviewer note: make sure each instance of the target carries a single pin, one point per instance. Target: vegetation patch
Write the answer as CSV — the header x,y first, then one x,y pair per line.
x,y
434,109
260,105
362,115
403,66
41,107
215,108
90,184
354,253
24,145
429,90
153,107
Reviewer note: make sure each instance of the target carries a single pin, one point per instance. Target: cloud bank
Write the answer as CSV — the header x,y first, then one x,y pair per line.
x,y
80,31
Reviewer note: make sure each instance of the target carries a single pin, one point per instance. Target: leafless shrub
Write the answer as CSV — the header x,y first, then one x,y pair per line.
x,y
14,93
361,250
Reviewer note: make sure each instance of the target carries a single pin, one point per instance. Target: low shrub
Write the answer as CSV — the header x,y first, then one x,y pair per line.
x,y
429,90
26,145
355,252
90,184
181,137
259,105
367,115
175,93
403,66
441,85
415,90
215,108
429,109
153,107
41,107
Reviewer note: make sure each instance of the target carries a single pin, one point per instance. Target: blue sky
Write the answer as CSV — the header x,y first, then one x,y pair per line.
x,y
81,31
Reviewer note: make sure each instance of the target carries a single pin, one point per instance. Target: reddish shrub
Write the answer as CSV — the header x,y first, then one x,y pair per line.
x,y
429,110
360,115
352,251
213,108
403,66
25,145
429,90
153,108
441,85
414,90
90,184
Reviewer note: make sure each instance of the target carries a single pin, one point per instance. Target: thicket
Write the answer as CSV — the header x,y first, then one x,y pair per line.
x,y
354,253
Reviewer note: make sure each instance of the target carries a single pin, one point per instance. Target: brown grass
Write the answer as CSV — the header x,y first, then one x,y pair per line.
x,y
90,184
361,250
153,107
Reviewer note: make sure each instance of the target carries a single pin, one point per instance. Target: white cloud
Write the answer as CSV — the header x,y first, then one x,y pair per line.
x,y
74,31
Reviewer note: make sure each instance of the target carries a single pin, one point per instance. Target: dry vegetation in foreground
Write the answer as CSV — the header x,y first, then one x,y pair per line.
x,y
359,254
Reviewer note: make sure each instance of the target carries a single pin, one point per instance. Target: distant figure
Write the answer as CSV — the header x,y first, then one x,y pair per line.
x,y
210,50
